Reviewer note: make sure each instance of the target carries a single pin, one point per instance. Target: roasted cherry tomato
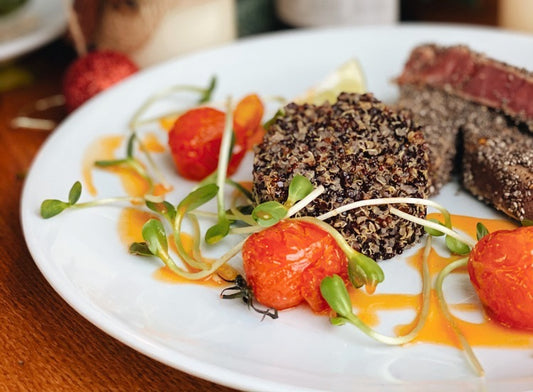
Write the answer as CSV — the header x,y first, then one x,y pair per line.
x,y
285,263
501,269
196,136
195,140
247,118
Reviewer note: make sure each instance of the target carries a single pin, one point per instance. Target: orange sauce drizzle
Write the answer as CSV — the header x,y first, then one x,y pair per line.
x,y
106,148
100,149
130,225
167,122
152,143
436,328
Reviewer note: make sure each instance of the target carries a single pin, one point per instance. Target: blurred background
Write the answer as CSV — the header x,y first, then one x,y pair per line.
x,y
39,39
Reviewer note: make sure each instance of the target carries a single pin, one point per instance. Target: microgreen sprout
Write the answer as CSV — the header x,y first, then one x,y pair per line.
x,y
205,94
433,232
269,213
299,188
334,291
53,207
192,201
472,359
163,208
221,229
155,238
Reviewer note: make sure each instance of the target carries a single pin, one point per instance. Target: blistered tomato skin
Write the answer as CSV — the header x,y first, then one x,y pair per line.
x,y
195,140
284,264
501,270
247,118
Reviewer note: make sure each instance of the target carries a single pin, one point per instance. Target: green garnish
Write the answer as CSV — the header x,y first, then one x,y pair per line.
x,y
481,231
269,213
299,188
472,359
53,207
526,222
129,162
221,228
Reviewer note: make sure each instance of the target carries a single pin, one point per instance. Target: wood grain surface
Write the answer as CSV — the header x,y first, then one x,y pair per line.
x,y
44,344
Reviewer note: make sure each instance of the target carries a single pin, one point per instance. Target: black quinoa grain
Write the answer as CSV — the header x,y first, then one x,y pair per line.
x,y
358,149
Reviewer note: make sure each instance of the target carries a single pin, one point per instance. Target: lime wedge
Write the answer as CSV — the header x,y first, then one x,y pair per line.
x,y
348,77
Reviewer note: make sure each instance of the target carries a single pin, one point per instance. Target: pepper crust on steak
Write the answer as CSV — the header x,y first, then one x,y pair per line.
x,y
463,98
358,149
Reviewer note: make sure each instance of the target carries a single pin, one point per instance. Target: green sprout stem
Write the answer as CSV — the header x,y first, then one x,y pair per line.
x,y
191,260
221,228
305,201
471,357
336,294
169,262
223,160
153,166
196,253
389,200
205,96
447,228
109,200
433,225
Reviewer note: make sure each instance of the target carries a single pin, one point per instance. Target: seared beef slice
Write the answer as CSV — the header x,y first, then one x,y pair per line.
x,y
497,161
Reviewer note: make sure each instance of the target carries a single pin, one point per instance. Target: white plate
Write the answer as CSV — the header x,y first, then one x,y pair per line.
x,y
188,326
35,24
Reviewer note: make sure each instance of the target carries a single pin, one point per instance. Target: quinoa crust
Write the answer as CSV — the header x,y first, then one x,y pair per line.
x,y
358,149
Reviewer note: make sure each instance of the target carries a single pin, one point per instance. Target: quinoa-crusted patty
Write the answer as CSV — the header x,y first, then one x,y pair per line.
x,y
357,149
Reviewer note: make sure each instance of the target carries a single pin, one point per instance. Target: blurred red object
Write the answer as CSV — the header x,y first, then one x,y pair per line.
x,y
93,73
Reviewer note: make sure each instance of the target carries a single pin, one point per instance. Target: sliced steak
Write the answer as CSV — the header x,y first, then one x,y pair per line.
x,y
497,164
496,158
473,76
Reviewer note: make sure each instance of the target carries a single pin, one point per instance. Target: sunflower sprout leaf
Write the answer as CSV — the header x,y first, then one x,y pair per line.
x,y
481,231
456,246
197,198
52,207
433,232
336,295
269,213
154,234
299,188
74,193
217,232
164,208
140,249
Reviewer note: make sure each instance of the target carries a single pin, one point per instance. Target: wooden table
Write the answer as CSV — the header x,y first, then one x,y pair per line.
x,y
44,344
